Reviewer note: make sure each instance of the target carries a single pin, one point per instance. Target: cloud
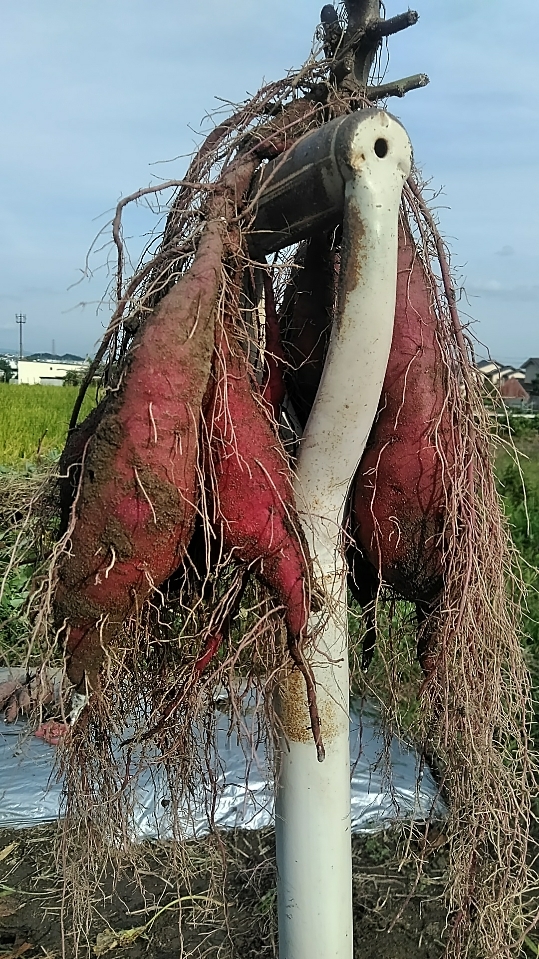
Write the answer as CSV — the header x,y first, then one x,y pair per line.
x,y
505,251
493,288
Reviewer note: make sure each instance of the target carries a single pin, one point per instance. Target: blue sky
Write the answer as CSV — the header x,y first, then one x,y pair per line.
x,y
95,95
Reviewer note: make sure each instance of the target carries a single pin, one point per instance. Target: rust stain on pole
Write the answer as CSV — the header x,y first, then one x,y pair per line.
x,y
295,711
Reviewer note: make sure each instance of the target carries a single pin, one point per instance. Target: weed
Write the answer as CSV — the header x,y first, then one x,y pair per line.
x,y
377,849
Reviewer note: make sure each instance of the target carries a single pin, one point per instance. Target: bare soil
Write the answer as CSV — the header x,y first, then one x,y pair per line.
x,y
395,915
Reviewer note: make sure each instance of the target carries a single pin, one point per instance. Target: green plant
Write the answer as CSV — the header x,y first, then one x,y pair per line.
x,y
268,902
13,623
519,487
377,849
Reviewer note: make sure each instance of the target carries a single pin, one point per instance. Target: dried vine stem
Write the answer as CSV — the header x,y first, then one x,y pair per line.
x,y
132,198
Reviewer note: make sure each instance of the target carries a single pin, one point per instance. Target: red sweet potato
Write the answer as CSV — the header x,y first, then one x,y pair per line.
x,y
135,508
399,497
305,322
254,514
273,389
253,504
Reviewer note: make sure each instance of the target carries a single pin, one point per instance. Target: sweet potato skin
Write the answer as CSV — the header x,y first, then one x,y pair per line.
x,y
252,499
273,389
135,508
399,496
71,460
305,323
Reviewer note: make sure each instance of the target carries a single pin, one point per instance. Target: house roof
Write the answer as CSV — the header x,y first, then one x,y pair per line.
x,y
511,389
532,359
496,371
487,364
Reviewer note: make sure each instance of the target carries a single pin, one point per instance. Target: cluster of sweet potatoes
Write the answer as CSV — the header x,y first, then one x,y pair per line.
x,y
187,411
136,497
186,404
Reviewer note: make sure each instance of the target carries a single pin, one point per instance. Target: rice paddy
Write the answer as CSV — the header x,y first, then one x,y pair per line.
x,y
34,421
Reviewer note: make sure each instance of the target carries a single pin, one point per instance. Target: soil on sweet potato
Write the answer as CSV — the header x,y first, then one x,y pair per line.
x,y
243,869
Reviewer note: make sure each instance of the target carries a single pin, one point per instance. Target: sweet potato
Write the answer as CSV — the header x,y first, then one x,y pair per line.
x,y
135,508
305,322
399,498
253,504
254,515
273,389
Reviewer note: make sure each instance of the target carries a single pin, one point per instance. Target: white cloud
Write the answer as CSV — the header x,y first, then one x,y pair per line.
x,y
494,288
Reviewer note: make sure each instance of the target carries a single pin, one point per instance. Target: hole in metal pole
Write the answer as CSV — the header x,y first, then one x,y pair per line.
x,y
381,147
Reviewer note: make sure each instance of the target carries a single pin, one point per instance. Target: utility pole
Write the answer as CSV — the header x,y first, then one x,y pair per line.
x,y
20,318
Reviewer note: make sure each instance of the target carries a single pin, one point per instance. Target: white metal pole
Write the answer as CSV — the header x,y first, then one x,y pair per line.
x,y
312,798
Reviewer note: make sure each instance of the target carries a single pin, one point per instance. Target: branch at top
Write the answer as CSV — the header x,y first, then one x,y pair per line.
x,y
386,28
397,88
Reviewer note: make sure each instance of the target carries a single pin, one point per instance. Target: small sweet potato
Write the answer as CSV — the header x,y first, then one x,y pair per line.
x,y
254,514
273,389
253,504
305,322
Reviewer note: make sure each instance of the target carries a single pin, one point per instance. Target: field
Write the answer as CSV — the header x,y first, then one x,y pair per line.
x,y
227,912
519,485
34,421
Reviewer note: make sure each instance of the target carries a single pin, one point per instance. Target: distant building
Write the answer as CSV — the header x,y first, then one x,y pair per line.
x,y
531,369
498,373
508,382
34,372
8,368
